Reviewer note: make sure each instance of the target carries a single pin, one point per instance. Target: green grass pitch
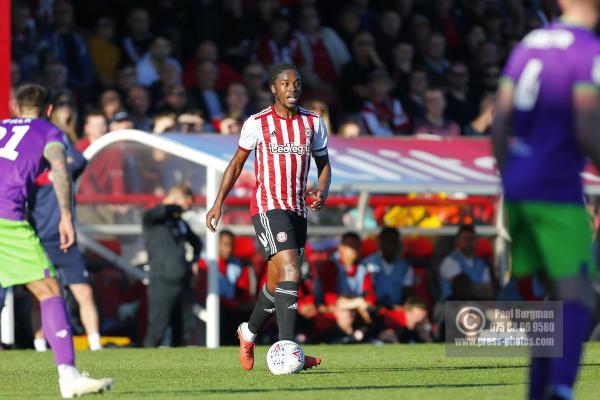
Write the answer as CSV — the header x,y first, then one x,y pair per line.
x,y
419,372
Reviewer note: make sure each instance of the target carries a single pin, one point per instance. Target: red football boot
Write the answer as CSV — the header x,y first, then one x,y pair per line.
x,y
246,351
311,362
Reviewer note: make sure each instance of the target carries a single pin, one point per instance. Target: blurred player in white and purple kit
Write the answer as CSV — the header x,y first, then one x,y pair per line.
x,y
28,144
548,120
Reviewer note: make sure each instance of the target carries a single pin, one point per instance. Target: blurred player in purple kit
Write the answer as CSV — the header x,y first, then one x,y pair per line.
x,y
28,144
548,120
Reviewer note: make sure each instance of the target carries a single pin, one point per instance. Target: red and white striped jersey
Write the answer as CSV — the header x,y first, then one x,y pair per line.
x,y
282,157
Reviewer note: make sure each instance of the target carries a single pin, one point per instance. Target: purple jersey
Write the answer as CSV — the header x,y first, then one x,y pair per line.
x,y
22,146
545,160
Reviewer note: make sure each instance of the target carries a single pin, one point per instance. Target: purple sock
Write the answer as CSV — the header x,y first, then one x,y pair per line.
x,y
539,373
576,328
57,330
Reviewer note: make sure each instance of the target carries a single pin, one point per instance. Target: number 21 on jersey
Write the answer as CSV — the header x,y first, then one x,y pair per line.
x,y
528,87
18,133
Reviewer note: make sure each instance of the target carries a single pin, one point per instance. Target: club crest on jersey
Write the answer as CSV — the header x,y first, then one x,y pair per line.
x,y
308,132
282,237
293,148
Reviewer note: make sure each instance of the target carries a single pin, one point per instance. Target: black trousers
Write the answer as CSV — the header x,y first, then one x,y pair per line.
x,y
170,304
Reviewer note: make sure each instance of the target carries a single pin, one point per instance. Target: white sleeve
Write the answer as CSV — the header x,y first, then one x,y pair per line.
x,y
319,144
449,268
250,135
409,277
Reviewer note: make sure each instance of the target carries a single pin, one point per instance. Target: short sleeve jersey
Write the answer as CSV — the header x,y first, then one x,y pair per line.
x,y
283,147
23,143
545,160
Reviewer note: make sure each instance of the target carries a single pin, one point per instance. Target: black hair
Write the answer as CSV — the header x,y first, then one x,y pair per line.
x,y
465,228
276,69
226,232
388,231
350,236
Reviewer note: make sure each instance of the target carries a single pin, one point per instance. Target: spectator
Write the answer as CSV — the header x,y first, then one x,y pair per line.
x,y
170,295
491,76
164,122
207,50
448,21
278,45
414,102
420,32
264,99
24,40
462,265
56,76
126,78
255,80
461,105
110,103
402,64
473,40
392,277
120,120
205,94
168,77
94,126
230,126
159,54
175,100
355,77
321,108
236,101
434,122
69,48
64,115
104,53
347,287
137,42
349,130
435,60
138,102
190,121
383,115
388,34
323,52
348,24
482,124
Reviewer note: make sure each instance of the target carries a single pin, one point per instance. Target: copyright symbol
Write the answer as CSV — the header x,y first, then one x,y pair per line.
x,y
470,321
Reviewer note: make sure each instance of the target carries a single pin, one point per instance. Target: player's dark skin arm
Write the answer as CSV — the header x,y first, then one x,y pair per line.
x,y
324,173
587,120
502,125
230,176
61,181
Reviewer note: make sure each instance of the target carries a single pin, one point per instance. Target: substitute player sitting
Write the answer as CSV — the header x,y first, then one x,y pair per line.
x,y
283,136
27,145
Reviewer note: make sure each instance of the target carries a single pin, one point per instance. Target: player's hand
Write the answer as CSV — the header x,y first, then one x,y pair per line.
x,y
212,218
67,233
319,201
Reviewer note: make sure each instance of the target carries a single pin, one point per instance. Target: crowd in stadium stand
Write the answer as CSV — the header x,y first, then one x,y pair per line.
x,y
369,68
380,68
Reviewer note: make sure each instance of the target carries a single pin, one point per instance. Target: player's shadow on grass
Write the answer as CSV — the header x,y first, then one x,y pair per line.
x,y
190,392
432,368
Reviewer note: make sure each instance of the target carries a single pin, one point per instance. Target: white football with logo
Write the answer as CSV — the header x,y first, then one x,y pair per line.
x,y
285,357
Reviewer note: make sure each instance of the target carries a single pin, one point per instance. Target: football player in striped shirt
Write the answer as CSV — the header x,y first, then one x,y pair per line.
x,y
283,137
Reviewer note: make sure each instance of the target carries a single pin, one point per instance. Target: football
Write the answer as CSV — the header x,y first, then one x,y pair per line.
x,y
285,357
